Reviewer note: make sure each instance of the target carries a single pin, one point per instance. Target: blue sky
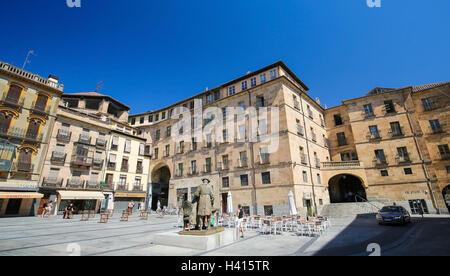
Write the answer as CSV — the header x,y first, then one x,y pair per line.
x,y
150,54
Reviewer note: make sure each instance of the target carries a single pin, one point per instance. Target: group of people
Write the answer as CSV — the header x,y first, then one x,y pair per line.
x,y
131,206
47,209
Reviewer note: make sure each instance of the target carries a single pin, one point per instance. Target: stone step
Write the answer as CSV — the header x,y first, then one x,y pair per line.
x,y
352,209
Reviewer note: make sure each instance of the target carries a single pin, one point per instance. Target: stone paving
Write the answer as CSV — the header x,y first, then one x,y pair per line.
x,y
55,236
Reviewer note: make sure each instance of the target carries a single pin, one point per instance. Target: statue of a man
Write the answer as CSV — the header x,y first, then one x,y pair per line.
x,y
205,197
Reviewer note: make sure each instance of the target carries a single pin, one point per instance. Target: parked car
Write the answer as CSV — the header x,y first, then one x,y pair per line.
x,y
393,215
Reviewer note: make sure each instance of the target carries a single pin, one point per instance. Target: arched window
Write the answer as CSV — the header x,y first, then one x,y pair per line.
x,y
5,122
33,129
41,102
14,93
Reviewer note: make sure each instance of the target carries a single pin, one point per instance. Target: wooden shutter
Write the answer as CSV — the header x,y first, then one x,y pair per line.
x,y
33,128
14,93
25,160
5,122
41,102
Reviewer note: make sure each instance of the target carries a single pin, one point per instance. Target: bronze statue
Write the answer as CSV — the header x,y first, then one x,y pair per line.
x,y
204,197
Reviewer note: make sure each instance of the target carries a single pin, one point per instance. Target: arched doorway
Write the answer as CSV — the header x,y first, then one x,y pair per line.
x,y
446,195
346,188
160,186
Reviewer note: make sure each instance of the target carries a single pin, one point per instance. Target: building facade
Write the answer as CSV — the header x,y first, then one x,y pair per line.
x,y
28,108
94,159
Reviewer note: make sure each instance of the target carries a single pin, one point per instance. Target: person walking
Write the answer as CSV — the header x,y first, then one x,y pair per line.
x,y
50,208
240,219
130,207
44,209
68,212
420,209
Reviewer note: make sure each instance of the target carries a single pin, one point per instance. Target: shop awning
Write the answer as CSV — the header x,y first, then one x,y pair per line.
x,y
20,195
81,195
131,195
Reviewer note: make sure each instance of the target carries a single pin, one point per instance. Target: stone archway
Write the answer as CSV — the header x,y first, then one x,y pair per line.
x,y
160,178
446,196
345,187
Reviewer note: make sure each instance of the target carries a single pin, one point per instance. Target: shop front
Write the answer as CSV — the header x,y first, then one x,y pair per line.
x,y
81,200
121,200
20,204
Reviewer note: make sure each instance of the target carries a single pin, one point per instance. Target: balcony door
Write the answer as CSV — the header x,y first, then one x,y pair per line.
x,y
14,93
33,129
41,102
24,160
5,122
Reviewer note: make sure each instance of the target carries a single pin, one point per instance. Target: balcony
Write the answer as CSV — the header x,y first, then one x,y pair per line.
x,y
93,185
22,167
264,159
341,165
58,158
75,183
242,162
21,134
122,187
313,137
207,168
403,159
138,188
380,162
13,103
368,115
63,136
223,166
304,159
84,139
111,166
396,133
81,160
108,186
97,164
40,109
124,168
192,171
52,182
373,136
139,169
100,143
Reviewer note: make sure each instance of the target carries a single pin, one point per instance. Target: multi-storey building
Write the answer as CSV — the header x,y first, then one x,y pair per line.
x,y
259,137
28,106
94,155
391,144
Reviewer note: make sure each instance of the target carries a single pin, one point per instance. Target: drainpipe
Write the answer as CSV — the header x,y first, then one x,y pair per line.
x,y
429,182
309,159
252,161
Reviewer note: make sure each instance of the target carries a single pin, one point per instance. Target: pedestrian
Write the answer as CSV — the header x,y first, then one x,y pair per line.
x,y
130,207
50,208
68,211
44,209
240,219
158,205
419,206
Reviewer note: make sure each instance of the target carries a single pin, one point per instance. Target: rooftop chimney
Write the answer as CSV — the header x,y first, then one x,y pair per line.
x,y
53,78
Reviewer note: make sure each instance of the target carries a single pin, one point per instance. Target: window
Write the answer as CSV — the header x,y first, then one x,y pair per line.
x,y
244,180
253,82
242,132
167,150
320,201
407,170
260,101
265,177
414,205
242,105
180,169
133,121
444,151
396,129
389,106
273,74
193,166
380,157
447,168
224,136
5,121
305,176
244,85
181,147
384,173
427,104
163,115
342,141
217,95
262,127
155,153
208,98
141,120
435,125
368,110
194,143
157,135
268,210
156,117
208,165
231,91
92,104
14,93
33,129
225,182
319,181
150,118
127,146
374,132
168,131
337,120
115,143
41,102
262,78
403,154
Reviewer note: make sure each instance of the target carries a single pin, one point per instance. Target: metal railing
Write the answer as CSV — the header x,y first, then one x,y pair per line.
x,y
58,157
52,182
63,135
342,164
81,160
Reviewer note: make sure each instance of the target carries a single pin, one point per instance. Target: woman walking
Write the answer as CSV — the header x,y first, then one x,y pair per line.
x,y
240,219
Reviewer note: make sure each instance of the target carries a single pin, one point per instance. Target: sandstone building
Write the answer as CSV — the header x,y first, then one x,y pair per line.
x,y
28,107
390,145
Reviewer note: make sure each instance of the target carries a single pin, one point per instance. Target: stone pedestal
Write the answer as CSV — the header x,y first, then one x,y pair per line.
x,y
198,240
